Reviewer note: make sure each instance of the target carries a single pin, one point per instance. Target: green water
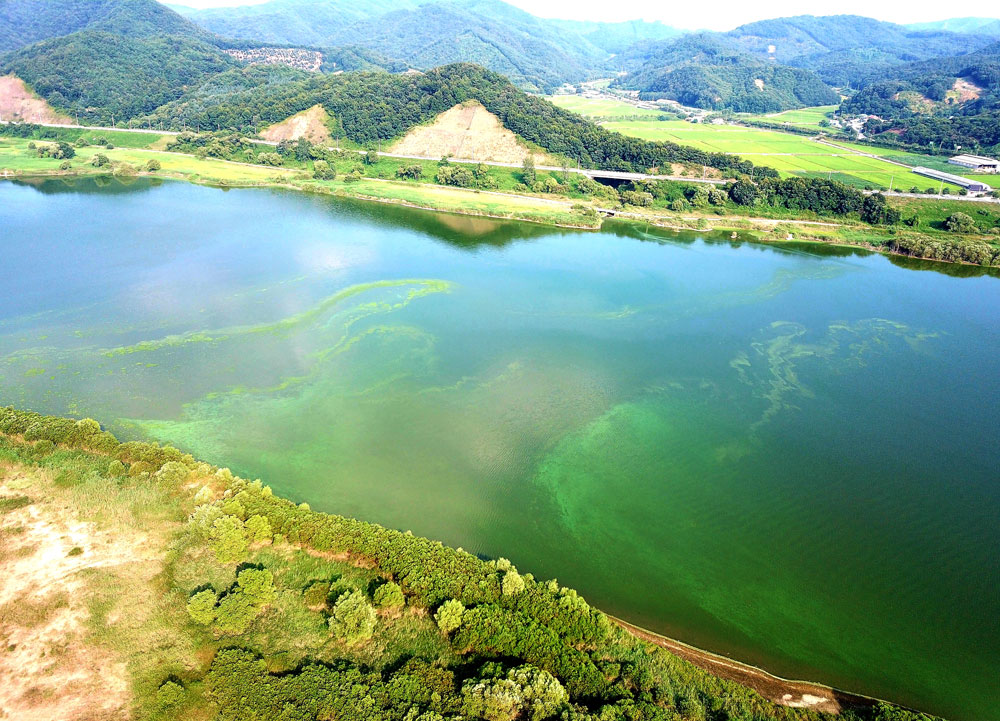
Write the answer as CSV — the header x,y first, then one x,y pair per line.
x,y
787,455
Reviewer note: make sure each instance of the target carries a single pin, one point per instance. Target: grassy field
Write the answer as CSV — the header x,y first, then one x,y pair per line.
x,y
803,117
791,155
601,107
16,158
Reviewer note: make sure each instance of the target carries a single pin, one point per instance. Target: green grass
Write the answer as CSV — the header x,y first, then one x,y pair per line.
x,y
790,155
803,117
601,107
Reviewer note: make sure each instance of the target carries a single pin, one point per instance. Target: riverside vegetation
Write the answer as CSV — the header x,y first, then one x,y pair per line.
x,y
264,609
952,231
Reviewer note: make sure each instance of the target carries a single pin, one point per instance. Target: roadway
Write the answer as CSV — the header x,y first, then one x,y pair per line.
x,y
589,172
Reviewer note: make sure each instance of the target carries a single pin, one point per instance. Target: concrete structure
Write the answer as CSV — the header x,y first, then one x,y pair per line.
x,y
973,186
976,162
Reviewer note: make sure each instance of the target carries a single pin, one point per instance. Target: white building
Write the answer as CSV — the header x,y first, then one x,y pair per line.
x,y
976,162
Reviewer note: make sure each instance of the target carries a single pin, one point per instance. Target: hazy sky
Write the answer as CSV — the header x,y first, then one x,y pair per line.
x,y
714,15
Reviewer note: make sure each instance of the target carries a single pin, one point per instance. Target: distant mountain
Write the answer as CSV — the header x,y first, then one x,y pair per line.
x,y
111,58
531,51
963,85
709,70
980,26
293,22
844,50
536,54
617,37
23,22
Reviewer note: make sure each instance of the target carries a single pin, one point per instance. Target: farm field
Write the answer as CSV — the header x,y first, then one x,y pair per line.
x,y
600,107
791,155
803,117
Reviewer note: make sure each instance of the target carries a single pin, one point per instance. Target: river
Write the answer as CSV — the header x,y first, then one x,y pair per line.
x,y
785,454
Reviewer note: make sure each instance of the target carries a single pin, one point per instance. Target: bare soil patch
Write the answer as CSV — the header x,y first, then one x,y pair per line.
x,y
50,669
17,102
468,132
310,124
965,90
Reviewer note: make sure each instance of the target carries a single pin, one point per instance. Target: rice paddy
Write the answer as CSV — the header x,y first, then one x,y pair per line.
x,y
790,155
803,117
601,107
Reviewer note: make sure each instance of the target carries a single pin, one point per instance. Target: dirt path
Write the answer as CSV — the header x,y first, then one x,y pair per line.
x,y
795,694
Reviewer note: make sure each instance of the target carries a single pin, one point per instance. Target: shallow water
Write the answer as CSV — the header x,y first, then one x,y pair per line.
x,y
784,454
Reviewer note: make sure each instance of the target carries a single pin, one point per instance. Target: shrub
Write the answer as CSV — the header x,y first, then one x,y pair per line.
x,y
259,529
201,607
116,469
411,172
512,584
169,694
352,619
449,616
322,170
389,595
172,472
353,177
100,161
257,584
65,165
229,540
152,165
316,594
234,614
960,223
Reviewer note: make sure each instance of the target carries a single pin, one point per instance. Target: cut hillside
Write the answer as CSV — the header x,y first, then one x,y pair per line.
x,y
311,124
467,131
17,102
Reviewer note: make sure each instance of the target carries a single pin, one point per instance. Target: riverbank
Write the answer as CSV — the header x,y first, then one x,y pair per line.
x,y
19,160
786,692
134,526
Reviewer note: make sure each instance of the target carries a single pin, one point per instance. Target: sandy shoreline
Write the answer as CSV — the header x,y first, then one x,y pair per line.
x,y
787,692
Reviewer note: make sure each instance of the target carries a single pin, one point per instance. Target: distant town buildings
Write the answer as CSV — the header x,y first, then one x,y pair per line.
x,y
976,162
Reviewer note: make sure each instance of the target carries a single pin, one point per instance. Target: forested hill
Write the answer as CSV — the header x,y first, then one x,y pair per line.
x,y
292,22
369,107
947,103
537,54
845,49
120,58
23,22
707,70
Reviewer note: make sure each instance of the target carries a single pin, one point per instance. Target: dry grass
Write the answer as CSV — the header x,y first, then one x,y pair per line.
x,y
18,102
310,124
467,131
74,583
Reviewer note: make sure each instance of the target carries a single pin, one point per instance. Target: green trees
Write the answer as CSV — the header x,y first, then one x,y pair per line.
x,y
100,161
525,692
389,595
201,606
352,617
233,613
322,170
743,192
410,172
528,171
960,223
876,210
258,529
229,540
449,616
